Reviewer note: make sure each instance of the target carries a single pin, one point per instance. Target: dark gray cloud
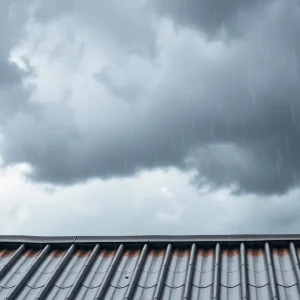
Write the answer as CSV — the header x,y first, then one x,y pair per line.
x,y
229,110
212,17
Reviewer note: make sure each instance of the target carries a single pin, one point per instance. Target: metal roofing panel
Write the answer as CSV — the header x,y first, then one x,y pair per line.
x,y
17,271
57,293
86,293
41,276
124,271
45,270
178,267
289,293
230,293
172,293
144,293
201,293
283,267
151,269
260,293
230,268
28,293
257,267
203,269
5,255
145,268
99,268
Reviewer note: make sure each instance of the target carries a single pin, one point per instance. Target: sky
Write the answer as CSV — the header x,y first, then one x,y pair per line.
x,y
149,117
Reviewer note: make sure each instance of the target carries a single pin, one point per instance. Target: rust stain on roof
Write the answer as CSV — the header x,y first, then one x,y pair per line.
x,y
32,253
255,252
181,252
83,253
206,252
156,252
132,252
6,252
230,252
57,253
107,252
281,251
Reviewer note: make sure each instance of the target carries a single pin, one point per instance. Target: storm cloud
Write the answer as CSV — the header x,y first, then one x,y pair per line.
x,y
213,17
208,87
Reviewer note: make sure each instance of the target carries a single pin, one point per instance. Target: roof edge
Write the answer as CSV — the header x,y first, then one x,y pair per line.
x,y
146,238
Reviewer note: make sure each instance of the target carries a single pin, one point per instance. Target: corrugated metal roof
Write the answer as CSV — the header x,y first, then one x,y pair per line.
x,y
150,267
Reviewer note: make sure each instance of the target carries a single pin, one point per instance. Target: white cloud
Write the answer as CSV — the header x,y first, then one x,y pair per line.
x,y
133,206
164,191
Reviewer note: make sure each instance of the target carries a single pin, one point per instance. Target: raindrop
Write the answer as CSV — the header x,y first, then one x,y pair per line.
x,y
293,113
219,105
212,133
182,136
243,122
278,167
227,129
253,95
279,156
193,120
294,55
287,142
155,154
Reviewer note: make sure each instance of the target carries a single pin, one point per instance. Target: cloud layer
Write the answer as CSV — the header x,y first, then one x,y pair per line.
x,y
153,202
205,87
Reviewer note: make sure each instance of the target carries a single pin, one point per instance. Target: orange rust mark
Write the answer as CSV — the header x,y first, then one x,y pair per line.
x,y
32,252
132,253
156,252
281,251
107,252
181,252
255,252
298,250
83,253
206,252
57,253
6,252
230,252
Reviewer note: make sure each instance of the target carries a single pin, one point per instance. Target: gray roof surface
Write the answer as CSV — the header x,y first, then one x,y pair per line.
x,y
258,267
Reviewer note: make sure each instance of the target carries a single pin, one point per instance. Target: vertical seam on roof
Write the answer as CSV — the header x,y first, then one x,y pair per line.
x,y
216,282
190,272
244,278
271,272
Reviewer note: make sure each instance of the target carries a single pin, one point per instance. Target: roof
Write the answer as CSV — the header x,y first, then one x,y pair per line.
x,y
258,267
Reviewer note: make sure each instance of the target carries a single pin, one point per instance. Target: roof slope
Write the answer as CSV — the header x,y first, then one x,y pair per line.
x,y
150,267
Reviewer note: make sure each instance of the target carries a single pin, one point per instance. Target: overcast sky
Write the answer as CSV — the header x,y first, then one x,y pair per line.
x,y
149,117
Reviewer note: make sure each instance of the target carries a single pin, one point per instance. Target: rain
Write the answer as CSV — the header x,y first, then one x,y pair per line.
x,y
197,98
